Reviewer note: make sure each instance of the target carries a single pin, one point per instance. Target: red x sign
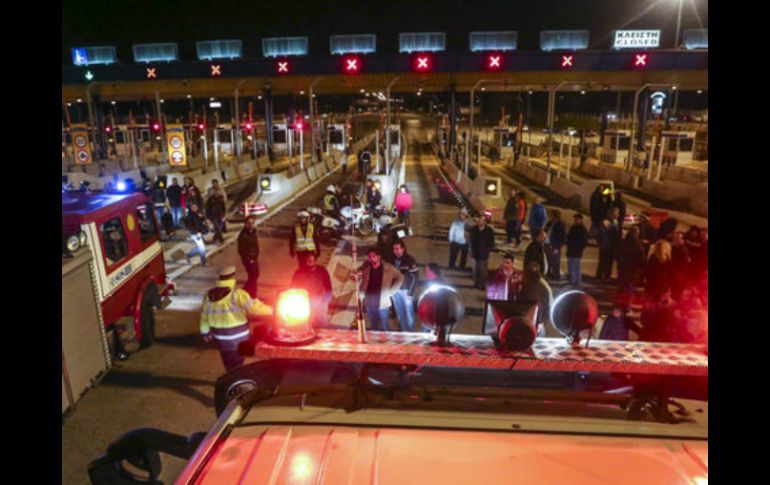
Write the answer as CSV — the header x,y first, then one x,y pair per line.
x,y
151,73
641,60
283,67
216,69
494,61
566,61
352,65
422,63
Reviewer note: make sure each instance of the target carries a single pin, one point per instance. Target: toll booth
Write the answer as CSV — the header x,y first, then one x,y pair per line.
x,y
224,139
395,141
282,138
616,146
335,137
677,147
505,141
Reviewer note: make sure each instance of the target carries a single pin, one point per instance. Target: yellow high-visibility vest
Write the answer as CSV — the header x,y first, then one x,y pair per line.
x,y
304,241
227,319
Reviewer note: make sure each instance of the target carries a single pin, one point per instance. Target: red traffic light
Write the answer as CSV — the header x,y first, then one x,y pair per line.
x,y
156,126
248,126
494,62
108,129
641,60
567,61
201,126
298,126
422,63
351,64
282,67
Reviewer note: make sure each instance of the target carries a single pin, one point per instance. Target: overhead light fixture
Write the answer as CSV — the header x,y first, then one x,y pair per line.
x,y
529,92
189,96
700,91
483,88
673,88
69,104
582,91
162,100
112,103
302,92
79,100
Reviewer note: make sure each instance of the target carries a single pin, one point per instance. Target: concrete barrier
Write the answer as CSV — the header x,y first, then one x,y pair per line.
x,y
568,190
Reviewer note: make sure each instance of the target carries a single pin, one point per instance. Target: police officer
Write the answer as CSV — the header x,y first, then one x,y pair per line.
x,y
331,203
304,238
224,317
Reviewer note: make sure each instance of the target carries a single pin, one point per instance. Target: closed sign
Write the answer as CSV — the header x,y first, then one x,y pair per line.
x,y
629,39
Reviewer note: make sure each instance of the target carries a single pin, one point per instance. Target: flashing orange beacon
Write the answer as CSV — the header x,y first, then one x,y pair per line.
x,y
291,324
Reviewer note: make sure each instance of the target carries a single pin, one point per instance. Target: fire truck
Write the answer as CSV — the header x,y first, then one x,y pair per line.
x,y
339,406
127,269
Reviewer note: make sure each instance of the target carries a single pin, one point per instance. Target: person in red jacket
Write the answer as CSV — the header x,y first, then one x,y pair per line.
x,y
403,204
522,213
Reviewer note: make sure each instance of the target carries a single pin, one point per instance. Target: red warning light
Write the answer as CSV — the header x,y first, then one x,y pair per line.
x,y
216,69
282,67
351,64
422,63
567,60
151,74
640,60
201,126
248,126
494,62
156,126
298,126
108,129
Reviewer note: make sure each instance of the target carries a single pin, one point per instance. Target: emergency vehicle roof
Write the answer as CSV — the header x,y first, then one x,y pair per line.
x,y
82,208
264,453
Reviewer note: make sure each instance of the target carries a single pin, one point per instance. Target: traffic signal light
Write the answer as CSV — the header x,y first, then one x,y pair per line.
x,y
201,127
108,129
493,62
248,126
298,126
351,64
155,126
422,63
282,67
641,60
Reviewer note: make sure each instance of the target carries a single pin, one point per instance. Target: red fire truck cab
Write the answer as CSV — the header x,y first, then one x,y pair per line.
x,y
128,272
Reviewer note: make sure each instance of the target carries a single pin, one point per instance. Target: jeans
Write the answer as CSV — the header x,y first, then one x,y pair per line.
x,y
480,270
252,270
219,225
403,217
575,273
554,263
606,258
200,247
378,317
228,350
176,213
517,231
159,211
455,248
404,310
510,230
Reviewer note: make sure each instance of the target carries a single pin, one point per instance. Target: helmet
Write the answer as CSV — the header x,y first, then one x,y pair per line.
x,y
330,188
304,214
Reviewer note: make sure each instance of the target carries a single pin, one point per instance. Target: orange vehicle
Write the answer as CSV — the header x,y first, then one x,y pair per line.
x,y
399,409
128,270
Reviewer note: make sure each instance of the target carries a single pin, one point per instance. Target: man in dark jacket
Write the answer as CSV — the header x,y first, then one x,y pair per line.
x,y
158,198
403,300
511,216
174,195
608,240
617,325
215,212
557,234
596,208
577,240
538,216
315,279
248,249
621,206
647,233
536,251
482,240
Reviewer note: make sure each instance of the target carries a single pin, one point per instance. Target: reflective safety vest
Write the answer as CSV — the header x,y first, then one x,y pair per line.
x,y
329,199
227,318
304,241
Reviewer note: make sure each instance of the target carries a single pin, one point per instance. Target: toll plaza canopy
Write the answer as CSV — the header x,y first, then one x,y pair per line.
x,y
433,72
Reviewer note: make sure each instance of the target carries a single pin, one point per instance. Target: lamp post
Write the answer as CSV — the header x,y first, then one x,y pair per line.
x,y
470,130
678,24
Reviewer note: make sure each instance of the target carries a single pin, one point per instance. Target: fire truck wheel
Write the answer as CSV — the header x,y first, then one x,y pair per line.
x,y
150,301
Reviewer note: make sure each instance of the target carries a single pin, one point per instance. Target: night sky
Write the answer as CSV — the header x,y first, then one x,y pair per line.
x,y
121,23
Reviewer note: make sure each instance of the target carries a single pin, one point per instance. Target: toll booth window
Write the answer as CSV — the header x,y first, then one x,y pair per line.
x,y
394,138
335,137
279,136
114,239
119,137
672,145
508,139
685,145
146,224
624,142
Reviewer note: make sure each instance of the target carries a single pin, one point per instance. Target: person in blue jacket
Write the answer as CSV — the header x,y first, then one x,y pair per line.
x,y
537,216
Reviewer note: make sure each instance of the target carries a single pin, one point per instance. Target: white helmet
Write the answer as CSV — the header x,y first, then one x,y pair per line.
x,y
330,188
304,214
